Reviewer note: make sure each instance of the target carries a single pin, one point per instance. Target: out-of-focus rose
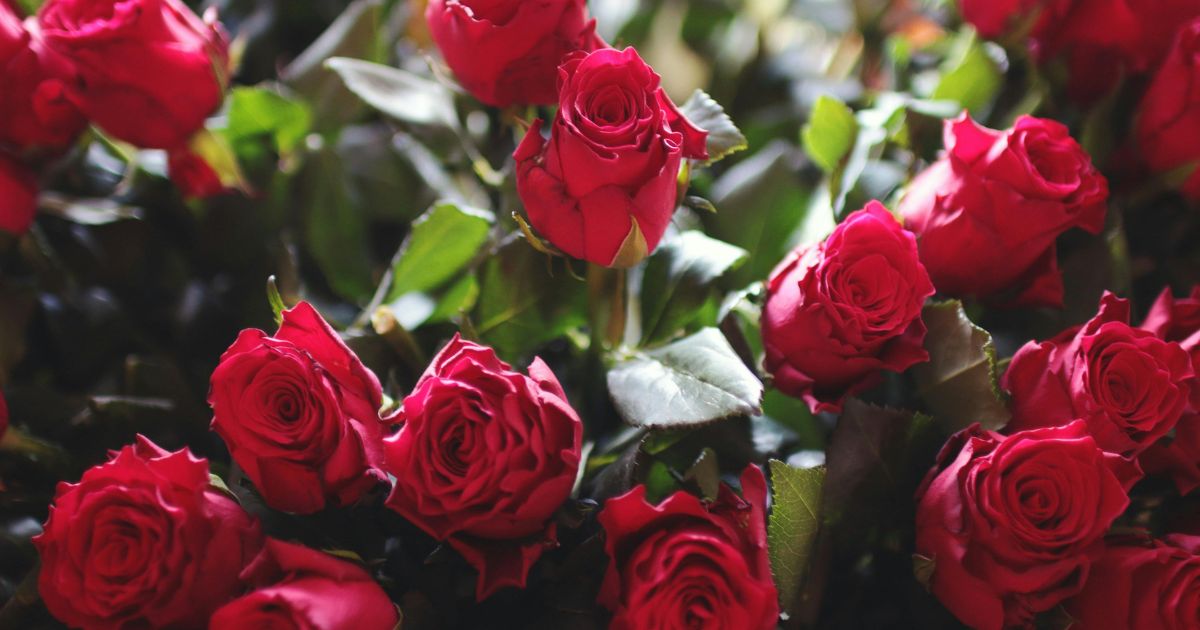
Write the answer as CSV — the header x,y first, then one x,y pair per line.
x,y
298,587
604,187
507,52
143,540
1013,523
1141,584
18,196
148,72
300,414
987,214
485,457
839,312
1168,121
1129,386
686,564
35,114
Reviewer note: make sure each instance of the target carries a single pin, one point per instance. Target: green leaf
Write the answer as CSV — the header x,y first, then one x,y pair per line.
x,y
218,483
442,242
724,138
335,228
456,299
525,300
960,382
275,300
678,281
970,76
257,111
793,525
830,132
398,93
696,380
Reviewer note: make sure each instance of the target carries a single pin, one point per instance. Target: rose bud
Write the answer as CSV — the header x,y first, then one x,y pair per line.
x,y
688,564
148,72
840,311
1168,121
1141,584
1128,386
986,214
604,187
1177,320
485,457
507,52
1012,523
35,114
143,541
298,587
300,414
18,196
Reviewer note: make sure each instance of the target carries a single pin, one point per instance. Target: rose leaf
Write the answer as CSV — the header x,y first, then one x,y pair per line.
x,y
793,525
830,132
398,93
724,138
960,382
679,279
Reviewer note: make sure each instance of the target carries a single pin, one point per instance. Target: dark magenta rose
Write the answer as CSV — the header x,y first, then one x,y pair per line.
x,y
1177,320
1129,386
688,564
840,311
1141,584
35,114
987,214
1013,523
506,52
485,457
148,72
298,587
18,196
143,541
300,414
1168,119
604,187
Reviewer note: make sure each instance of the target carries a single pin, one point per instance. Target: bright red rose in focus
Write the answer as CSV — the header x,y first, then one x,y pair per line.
x,y
604,187
1129,386
687,564
35,114
839,312
1012,523
485,458
1178,320
300,414
987,214
143,540
298,587
18,196
507,52
1168,121
148,72
1142,584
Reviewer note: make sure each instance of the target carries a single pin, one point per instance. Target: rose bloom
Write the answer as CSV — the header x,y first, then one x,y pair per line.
x,y
604,187
18,196
300,414
143,541
1168,120
987,214
840,311
485,457
1012,523
148,72
298,587
687,564
1142,584
35,114
1129,386
507,52
1177,320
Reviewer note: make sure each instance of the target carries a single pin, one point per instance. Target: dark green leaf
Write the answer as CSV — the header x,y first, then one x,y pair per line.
x,y
335,228
959,382
678,281
398,93
442,242
696,380
724,138
830,132
794,522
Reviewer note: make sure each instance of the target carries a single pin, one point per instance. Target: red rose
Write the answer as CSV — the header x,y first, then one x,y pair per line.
x,y
1012,523
687,564
18,196
1129,386
143,541
605,186
987,214
1178,320
839,312
148,72
507,52
34,110
193,175
993,18
300,414
298,587
1168,121
485,457
1142,585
